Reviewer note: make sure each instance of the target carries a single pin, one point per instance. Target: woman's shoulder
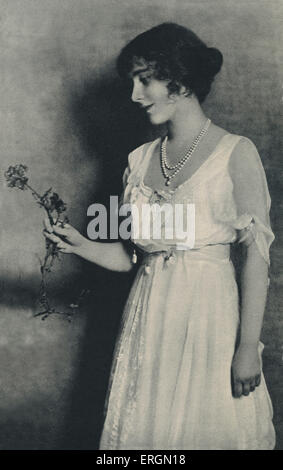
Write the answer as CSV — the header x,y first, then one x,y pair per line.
x,y
240,146
144,146
240,152
137,155
226,137
245,159
245,148
242,140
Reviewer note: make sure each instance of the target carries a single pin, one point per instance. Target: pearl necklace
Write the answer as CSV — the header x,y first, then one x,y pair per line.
x,y
179,165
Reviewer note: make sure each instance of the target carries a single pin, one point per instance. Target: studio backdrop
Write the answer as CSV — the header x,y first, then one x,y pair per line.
x,y
66,116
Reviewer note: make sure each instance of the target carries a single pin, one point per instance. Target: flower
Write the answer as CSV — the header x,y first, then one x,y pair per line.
x,y
16,176
52,202
58,204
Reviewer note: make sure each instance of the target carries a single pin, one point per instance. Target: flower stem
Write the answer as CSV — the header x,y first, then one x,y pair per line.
x,y
36,195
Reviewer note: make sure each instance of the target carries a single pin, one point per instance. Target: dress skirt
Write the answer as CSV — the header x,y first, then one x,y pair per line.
x,y
170,383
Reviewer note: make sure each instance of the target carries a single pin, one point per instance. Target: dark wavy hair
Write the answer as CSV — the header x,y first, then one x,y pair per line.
x,y
177,55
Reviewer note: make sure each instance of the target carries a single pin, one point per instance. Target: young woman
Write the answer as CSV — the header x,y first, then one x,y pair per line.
x,y
186,372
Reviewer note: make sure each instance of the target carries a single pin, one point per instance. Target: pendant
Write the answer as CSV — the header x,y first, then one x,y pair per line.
x,y
134,257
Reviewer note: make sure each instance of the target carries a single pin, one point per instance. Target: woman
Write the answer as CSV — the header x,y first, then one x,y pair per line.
x,y
186,372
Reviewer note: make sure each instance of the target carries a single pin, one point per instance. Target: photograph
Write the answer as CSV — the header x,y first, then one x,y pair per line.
x,y
141,240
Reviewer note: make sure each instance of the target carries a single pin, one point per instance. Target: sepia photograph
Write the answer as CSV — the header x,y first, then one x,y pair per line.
x,y
141,239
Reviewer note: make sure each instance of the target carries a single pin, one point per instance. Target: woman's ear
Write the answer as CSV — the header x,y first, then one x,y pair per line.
x,y
184,91
172,97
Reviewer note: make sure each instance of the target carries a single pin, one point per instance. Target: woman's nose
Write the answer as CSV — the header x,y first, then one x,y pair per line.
x,y
137,93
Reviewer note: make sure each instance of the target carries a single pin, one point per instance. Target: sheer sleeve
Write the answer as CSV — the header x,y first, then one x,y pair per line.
x,y
126,179
251,197
132,173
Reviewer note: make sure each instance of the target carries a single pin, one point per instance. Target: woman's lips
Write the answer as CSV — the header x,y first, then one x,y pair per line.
x,y
148,108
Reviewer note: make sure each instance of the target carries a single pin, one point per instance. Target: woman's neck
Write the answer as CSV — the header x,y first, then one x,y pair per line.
x,y
187,122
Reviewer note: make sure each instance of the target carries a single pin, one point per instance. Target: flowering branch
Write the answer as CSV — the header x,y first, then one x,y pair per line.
x,y
54,207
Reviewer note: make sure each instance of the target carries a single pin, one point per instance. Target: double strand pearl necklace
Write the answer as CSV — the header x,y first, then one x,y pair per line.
x,y
179,165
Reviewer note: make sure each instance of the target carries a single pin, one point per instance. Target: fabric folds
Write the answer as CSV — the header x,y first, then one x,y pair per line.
x,y
251,229
170,382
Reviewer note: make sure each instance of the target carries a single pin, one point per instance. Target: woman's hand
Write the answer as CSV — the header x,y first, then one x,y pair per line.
x,y
67,238
246,370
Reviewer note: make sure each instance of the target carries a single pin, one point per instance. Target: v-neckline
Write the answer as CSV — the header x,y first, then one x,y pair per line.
x,y
149,154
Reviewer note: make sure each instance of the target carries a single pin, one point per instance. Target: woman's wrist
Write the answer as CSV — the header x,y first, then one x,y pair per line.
x,y
82,248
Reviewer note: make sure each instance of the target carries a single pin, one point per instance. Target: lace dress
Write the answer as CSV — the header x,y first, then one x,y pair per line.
x,y
170,384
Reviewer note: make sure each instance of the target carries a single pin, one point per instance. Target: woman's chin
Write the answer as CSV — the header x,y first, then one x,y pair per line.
x,y
156,120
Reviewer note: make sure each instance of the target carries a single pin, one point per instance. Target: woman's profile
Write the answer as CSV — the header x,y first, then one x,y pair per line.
x,y
187,370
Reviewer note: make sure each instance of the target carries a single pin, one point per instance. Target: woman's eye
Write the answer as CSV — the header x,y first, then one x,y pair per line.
x,y
145,80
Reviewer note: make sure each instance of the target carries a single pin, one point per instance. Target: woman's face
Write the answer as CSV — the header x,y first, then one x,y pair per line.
x,y
152,94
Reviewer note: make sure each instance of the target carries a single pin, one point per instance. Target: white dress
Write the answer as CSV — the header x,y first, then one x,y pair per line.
x,y
170,384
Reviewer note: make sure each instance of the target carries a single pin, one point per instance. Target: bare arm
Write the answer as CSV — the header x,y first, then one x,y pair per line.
x,y
246,367
254,289
252,202
111,256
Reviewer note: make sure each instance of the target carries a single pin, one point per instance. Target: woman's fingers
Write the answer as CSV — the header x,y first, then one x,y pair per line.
x,y
238,390
51,237
246,388
56,227
68,235
252,384
59,230
61,245
47,225
63,231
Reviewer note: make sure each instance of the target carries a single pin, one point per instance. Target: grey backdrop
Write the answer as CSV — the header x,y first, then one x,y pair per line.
x,y
65,114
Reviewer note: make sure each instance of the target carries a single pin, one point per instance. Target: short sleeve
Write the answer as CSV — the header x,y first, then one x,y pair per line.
x,y
251,197
133,172
125,179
